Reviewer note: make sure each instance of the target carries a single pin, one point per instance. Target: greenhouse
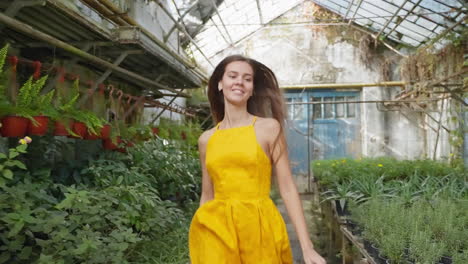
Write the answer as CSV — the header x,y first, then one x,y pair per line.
x,y
151,131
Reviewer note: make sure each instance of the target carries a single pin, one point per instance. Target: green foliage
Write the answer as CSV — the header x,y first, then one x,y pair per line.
x,y
87,226
67,111
417,205
3,54
390,177
171,167
114,213
428,230
30,101
169,129
10,161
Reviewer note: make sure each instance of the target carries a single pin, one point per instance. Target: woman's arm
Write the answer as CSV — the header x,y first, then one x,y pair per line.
x,y
290,195
207,193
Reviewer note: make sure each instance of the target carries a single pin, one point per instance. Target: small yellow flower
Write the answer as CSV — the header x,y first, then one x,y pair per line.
x,y
25,140
343,161
380,165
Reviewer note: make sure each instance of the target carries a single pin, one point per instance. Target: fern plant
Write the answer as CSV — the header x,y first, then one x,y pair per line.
x,y
30,101
67,110
4,104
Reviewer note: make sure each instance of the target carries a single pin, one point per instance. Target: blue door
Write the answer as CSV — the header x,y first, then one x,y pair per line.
x,y
327,129
335,125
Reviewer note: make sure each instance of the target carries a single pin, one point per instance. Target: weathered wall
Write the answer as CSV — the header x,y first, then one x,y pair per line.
x,y
331,54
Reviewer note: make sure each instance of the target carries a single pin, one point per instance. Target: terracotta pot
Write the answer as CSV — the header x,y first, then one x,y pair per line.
x,y
91,136
60,128
80,129
108,144
40,128
14,126
105,132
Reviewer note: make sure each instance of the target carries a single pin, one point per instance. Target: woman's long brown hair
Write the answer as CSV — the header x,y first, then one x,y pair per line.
x,y
266,100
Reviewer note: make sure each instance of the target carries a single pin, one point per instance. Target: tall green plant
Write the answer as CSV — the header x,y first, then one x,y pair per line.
x,y
67,110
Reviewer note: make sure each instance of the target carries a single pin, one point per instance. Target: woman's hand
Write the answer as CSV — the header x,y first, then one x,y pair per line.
x,y
312,257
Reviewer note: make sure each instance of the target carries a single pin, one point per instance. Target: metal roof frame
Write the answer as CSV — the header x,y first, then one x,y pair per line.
x,y
413,23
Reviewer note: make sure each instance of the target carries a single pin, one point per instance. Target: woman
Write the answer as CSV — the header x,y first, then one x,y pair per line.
x,y
237,222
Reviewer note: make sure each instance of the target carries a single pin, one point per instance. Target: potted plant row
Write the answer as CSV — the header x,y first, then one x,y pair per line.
x,y
33,109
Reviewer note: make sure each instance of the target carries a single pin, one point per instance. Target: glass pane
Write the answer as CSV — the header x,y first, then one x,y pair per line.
x,y
298,109
328,107
290,108
340,107
316,108
351,107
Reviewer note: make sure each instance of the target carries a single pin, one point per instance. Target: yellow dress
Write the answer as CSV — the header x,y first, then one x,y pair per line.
x,y
241,225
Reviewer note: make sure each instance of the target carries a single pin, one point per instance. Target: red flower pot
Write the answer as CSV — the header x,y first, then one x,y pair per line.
x,y
105,132
155,130
60,128
108,144
91,136
80,129
14,126
40,128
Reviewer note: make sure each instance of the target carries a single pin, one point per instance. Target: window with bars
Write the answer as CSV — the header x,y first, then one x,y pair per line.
x,y
295,111
330,107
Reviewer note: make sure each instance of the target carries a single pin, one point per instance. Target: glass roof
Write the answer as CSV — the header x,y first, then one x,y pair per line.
x,y
222,24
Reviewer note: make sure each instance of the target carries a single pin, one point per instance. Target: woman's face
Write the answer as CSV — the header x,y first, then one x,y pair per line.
x,y
237,82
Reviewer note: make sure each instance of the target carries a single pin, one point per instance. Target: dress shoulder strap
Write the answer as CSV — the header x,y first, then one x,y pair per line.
x,y
217,126
254,119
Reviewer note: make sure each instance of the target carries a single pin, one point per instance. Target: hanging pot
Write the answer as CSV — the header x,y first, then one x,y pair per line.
x,y
60,128
14,126
108,144
155,130
80,129
39,128
105,131
91,136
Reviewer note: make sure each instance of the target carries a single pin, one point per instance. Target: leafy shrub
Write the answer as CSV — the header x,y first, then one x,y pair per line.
x,y
113,213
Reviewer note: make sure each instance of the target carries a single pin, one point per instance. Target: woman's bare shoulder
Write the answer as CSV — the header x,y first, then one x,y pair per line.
x,y
268,124
205,136
268,127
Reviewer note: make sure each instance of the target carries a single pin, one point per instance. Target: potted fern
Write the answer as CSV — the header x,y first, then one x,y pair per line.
x,y
30,112
74,122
